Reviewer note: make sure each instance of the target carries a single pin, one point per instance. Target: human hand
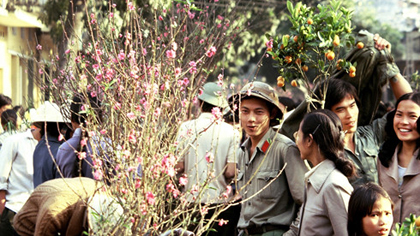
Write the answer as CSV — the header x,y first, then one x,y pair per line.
x,y
2,200
381,43
2,205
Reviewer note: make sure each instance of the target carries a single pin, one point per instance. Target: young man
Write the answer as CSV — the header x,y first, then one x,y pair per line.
x,y
16,175
362,143
271,172
208,159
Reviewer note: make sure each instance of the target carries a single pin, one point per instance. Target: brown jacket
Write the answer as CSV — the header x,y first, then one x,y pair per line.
x,y
407,197
56,206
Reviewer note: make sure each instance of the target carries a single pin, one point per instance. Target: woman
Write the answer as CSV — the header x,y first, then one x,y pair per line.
x,y
327,189
399,167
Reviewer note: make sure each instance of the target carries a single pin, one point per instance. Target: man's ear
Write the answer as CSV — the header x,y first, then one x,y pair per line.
x,y
273,113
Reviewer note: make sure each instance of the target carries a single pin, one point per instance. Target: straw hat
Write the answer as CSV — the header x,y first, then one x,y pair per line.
x,y
48,112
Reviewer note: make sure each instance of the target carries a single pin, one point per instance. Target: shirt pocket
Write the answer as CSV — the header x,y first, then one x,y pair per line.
x,y
370,158
370,149
270,188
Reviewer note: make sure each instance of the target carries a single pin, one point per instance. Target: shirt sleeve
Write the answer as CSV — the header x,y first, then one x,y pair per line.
x,y
65,160
234,147
66,155
7,155
295,173
377,128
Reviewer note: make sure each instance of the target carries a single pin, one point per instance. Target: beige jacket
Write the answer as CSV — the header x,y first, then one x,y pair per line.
x,y
327,195
407,197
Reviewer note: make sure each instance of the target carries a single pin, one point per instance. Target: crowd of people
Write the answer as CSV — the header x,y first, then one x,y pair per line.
x,y
310,173
31,156
315,173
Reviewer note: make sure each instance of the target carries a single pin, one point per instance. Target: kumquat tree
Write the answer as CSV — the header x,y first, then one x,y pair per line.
x,y
313,45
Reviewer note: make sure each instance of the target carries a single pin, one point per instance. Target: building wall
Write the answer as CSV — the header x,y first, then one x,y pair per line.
x,y
18,61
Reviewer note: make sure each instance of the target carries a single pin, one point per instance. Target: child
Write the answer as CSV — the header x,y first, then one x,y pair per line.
x,y
370,211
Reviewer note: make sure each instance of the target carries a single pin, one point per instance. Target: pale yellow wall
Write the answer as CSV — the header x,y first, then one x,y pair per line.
x,y
18,49
4,62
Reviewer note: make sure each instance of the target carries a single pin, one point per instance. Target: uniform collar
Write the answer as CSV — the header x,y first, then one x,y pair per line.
x,y
265,142
263,145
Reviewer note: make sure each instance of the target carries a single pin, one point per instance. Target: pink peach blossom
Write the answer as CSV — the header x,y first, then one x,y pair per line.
x,y
170,54
98,175
223,222
150,198
211,51
183,180
209,157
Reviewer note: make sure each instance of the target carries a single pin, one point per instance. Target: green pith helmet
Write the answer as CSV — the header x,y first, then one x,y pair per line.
x,y
213,94
260,90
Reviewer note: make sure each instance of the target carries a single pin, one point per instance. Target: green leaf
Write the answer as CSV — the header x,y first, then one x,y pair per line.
x,y
297,9
290,7
285,40
320,36
321,63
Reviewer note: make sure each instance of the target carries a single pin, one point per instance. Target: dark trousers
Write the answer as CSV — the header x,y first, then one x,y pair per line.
x,y
6,224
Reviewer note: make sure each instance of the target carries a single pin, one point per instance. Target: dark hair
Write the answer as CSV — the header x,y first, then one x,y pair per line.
x,y
80,100
19,110
5,100
326,130
53,128
288,103
231,117
206,107
361,204
337,90
392,141
9,119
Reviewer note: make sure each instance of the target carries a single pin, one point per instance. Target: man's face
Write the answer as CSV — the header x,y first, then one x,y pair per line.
x,y
348,112
255,117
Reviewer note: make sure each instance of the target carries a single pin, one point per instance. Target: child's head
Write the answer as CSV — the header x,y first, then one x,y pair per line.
x,y
370,211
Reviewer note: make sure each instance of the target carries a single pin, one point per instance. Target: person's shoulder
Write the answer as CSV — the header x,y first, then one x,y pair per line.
x,y
71,143
339,180
188,124
16,137
282,139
